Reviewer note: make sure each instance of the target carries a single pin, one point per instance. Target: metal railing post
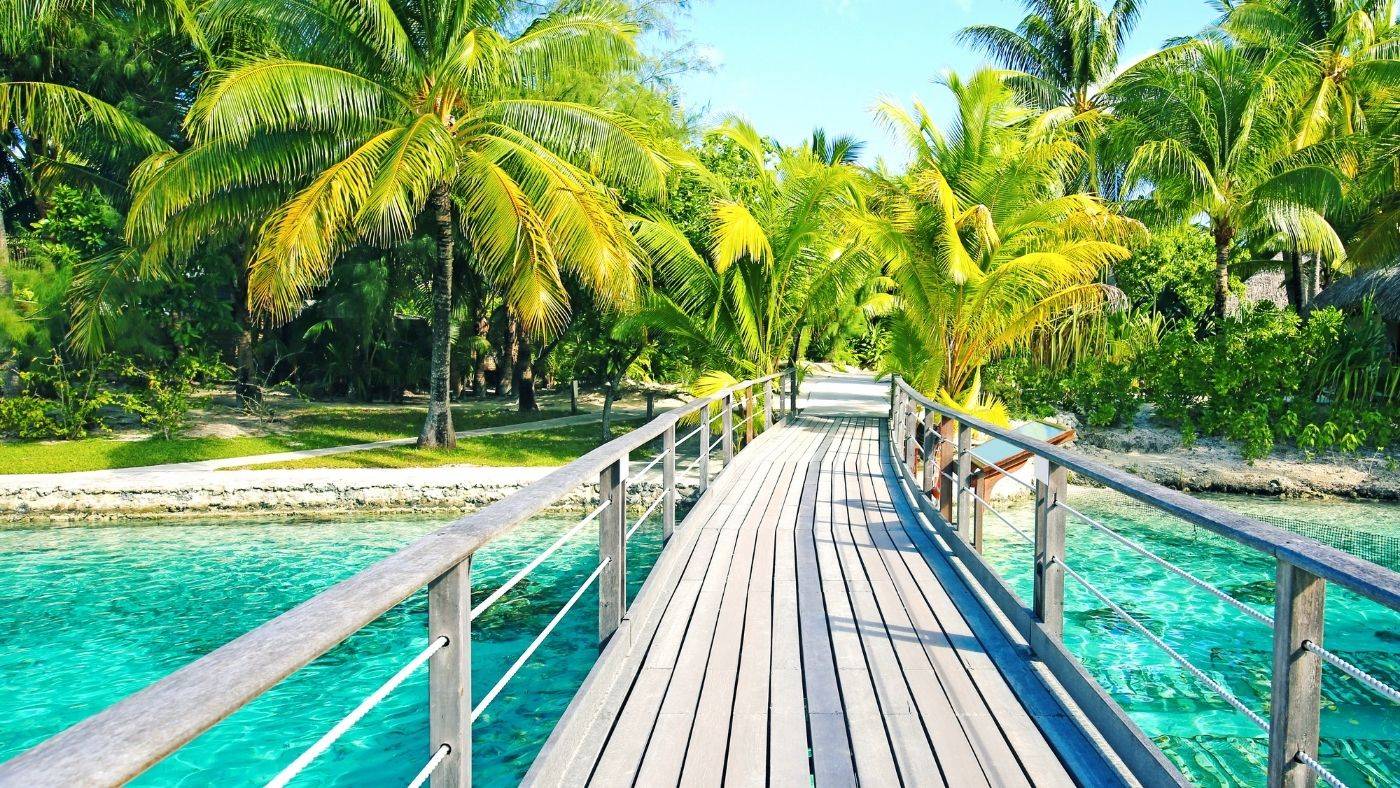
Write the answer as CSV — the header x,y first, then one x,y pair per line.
x,y
930,444
450,676
894,400
768,403
792,395
943,461
1295,710
668,483
726,440
612,548
748,416
979,510
910,433
704,457
964,474
1051,482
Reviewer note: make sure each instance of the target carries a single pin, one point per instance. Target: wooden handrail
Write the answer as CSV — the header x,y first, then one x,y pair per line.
x,y
129,737
1337,566
1303,568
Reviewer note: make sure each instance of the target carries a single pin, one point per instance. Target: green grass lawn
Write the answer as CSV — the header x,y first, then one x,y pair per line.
x,y
318,428
533,448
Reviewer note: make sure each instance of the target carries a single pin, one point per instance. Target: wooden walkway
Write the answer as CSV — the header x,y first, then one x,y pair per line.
x,y
802,625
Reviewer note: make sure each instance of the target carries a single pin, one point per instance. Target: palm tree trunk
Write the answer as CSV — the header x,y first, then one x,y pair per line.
x,y
1224,233
245,385
509,356
437,429
479,356
526,389
9,375
1293,279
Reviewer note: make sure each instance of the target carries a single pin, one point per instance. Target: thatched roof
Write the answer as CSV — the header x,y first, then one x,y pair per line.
x,y
1382,284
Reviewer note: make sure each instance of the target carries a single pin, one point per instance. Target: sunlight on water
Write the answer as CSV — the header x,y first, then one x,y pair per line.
x,y
90,614
1211,742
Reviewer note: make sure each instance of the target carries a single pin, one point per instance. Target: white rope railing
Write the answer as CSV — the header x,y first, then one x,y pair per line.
x,y
1375,684
643,472
1321,771
690,435
998,515
423,774
646,514
1007,474
539,559
535,644
1266,620
331,736
1200,675
693,463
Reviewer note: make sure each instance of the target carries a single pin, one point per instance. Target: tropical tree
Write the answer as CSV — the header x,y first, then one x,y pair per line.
x,y
390,116
986,247
777,259
1204,130
1344,55
1064,52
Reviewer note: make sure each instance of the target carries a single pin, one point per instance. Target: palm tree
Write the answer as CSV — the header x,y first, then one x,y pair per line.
x,y
778,260
1203,126
395,110
1064,53
1343,54
986,245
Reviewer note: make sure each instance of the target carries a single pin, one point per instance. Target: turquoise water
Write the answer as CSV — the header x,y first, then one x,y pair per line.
x,y
90,614
1211,742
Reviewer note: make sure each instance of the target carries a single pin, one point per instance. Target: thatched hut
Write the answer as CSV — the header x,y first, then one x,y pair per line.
x,y
1381,284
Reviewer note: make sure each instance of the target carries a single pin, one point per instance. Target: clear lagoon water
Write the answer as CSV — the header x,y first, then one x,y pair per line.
x,y
1212,743
92,613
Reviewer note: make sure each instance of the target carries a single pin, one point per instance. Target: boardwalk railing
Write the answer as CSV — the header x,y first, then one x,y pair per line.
x,y
128,738
931,445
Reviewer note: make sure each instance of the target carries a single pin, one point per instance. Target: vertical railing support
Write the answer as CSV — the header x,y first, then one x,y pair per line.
x,y
1051,482
450,676
748,416
792,394
768,403
910,433
612,548
964,473
943,462
930,445
726,420
668,482
704,457
894,404
979,510
1297,682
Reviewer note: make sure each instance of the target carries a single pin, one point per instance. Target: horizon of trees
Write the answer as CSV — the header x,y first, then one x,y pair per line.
x,y
359,199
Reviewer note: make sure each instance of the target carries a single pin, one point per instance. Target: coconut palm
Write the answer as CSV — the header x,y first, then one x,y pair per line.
x,y
1345,55
986,246
1203,127
395,112
778,260
1064,53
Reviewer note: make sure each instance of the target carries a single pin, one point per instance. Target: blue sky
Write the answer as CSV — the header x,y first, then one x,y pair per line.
x,y
791,65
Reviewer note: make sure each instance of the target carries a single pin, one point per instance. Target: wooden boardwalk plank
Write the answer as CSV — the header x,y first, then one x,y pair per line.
x,y
797,630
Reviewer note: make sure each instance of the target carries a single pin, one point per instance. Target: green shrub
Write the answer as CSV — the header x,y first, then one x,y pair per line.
x,y
27,416
1268,376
